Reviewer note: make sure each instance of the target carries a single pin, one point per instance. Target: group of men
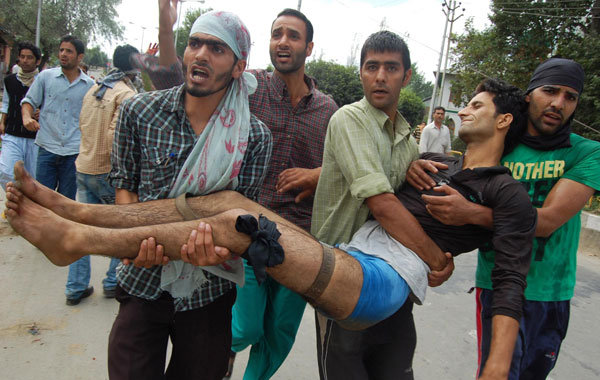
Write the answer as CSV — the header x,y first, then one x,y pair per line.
x,y
61,125
180,151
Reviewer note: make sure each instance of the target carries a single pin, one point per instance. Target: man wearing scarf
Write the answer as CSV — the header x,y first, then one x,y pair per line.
x,y
195,138
97,121
560,170
18,143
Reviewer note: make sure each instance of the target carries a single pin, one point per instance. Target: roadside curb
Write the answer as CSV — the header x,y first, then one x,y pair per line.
x,y
589,239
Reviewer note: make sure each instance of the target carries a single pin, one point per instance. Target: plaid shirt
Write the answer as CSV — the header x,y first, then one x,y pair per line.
x,y
152,141
298,139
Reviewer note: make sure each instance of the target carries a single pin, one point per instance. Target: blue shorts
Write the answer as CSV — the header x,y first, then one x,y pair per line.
x,y
383,291
542,329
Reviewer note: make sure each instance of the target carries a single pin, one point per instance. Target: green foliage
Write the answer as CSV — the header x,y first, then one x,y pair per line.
x,y
95,57
586,50
186,25
341,82
593,205
422,87
86,19
458,145
522,35
411,107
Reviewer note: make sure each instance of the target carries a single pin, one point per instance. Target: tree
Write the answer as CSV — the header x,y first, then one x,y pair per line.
x,y
411,106
524,34
95,57
86,19
341,82
184,30
419,84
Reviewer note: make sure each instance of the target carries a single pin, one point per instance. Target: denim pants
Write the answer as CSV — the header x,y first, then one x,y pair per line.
x,y
16,148
92,189
57,172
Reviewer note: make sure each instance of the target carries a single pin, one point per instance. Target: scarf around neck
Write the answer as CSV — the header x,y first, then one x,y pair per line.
x,y
27,78
216,159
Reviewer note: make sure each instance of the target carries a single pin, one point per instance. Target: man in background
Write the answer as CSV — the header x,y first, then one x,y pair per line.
x,y
99,115
58,93
435,137
18,143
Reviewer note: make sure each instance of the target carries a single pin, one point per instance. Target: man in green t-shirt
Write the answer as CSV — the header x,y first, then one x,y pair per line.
x,y
560,170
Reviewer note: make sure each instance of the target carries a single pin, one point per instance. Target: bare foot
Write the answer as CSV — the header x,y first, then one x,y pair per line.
x,y
50,233
39,193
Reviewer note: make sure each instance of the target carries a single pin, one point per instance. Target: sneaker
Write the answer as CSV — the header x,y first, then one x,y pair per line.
x,y
75,301
109,293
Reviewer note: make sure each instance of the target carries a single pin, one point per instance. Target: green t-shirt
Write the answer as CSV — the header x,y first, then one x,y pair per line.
x,y
554,259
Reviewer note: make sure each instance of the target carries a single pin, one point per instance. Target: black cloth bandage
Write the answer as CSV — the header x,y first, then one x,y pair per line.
x,y
264,251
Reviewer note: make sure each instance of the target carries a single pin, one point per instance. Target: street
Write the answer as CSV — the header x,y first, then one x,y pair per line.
x,y
43,338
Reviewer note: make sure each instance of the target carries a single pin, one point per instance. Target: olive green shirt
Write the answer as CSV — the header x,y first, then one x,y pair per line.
x,y
365,155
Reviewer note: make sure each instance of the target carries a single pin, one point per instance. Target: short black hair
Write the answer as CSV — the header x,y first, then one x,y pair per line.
x,y
507,99
122,56
29,46
386,41
79,46
439,108
301,16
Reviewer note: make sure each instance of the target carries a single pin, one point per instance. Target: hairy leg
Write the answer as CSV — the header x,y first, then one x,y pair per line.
x,y
134,214
64,241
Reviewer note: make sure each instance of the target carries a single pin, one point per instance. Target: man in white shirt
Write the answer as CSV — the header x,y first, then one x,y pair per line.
x,y
435,137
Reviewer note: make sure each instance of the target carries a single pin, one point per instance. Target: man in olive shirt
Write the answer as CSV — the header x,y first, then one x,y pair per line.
x,y
368,148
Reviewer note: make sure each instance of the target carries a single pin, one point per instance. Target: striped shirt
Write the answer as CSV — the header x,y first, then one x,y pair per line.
x,y
152,141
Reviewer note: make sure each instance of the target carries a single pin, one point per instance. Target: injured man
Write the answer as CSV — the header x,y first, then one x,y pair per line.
x,y
359,283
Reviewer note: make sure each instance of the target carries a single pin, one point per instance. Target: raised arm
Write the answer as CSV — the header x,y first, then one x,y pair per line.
x,y
167,17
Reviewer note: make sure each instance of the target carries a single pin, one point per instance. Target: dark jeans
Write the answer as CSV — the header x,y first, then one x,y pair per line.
x,y
542,329
201,338
381,352
57,172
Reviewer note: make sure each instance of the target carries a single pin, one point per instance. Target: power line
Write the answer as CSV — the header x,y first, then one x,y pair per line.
x,y
586,126
546,15
543,9
403,34
558,1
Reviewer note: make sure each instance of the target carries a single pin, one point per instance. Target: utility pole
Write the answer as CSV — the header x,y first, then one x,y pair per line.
x,y
299,5
453,10
448,10
437,73
179,18
39,24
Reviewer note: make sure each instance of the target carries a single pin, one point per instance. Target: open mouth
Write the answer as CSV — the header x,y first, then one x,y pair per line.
x,y
283,55
199,73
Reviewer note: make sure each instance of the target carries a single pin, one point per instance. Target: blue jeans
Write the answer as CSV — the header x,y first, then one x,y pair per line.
x,y
14,149
92,189
57,172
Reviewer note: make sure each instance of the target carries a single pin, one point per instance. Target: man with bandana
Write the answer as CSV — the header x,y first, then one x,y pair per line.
x,y
195,138
18,143
560,170
268,316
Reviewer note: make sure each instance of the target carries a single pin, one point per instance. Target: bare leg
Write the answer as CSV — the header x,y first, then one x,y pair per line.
x,y
130,215
64,241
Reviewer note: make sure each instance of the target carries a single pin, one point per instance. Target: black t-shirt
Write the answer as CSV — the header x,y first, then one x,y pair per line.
x,y
514,224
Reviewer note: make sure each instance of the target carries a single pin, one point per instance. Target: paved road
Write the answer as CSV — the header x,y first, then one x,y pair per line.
x,y
41,337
